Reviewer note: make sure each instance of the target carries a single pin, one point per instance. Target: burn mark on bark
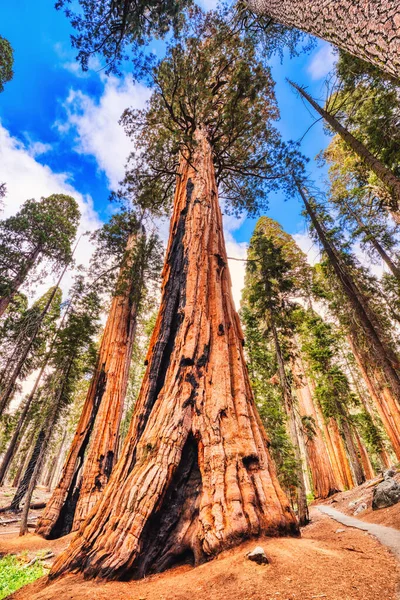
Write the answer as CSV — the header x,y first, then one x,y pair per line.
x,y
186,361
202,361
175,295
64,523
162,544
251,463
221,329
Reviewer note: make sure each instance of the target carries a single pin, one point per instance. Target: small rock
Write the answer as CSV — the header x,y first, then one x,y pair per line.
x,y
340,530
389,473
352,504
386,494
258,555
360,509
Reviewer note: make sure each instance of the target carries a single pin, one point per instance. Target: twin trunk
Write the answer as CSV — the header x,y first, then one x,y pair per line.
x,y
195,475
93,451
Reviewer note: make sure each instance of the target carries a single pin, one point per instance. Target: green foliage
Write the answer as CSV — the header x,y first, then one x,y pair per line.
x,y
15,573
320,348
366,103
210,80
39,231
6,62
119,266
276,272
262,367
20,330
108,27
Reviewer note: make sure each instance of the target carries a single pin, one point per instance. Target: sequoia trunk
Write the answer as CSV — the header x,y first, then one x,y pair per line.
x,y
93,451
388,411
195,475
324,481
368,29
387,177
294,432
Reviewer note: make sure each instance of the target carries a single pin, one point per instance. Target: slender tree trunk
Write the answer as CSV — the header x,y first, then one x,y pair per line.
x,y
195,475
54,462
340,453
395,270
29,471
383,454
381,171
93,451
324,482
386,413
364,457
383,355
27,451
355,461
9,389
19,280
288,399
35,474
10,452
368,29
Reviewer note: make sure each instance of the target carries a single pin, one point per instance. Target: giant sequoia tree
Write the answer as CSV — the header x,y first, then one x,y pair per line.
x,y
94,448
369,29
195,475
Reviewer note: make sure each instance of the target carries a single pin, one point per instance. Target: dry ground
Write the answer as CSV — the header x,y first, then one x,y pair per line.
x,y
323,564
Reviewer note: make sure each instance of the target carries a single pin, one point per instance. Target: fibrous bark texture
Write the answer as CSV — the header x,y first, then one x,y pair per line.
x,y
368,29
382,397
93,451
323,478
195,475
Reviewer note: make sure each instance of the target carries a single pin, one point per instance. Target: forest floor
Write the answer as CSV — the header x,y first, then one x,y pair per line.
x,y
329,562
349,502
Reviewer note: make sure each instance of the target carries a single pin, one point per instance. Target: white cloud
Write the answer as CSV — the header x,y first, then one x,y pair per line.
x,y
96,126
308,246
27,178
322,61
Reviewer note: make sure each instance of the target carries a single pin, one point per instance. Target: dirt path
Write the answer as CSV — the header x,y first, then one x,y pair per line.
x,y
386,535
325,564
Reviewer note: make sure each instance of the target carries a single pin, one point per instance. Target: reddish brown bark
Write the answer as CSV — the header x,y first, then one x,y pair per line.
x,y
93,451
195,475
384,402
368,29
324,481
364,457
339,452
294,431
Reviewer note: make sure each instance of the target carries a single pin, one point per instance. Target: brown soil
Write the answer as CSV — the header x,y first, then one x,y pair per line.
x,y
385,516
323,564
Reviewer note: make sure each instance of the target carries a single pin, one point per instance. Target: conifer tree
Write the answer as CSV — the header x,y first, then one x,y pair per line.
x,y
73,355
6,63
182,487
94,448
369,30
40,231
356,304
31,335
390,179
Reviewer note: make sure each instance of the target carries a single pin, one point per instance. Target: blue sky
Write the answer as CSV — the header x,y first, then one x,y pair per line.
x,y
59,128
